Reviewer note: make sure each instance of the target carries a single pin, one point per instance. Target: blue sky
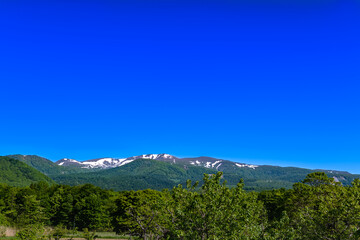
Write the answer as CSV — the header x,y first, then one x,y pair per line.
x,y
253,81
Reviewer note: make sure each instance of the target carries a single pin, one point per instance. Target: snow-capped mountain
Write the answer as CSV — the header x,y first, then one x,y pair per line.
x,y
163,156
215,163
104,163
68,162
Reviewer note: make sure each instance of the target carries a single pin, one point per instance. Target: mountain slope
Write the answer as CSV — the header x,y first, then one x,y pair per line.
x,y
44,165
139,174
99,163
104,163
17,173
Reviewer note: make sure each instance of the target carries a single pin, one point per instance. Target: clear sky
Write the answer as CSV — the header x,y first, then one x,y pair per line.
x,y
267,82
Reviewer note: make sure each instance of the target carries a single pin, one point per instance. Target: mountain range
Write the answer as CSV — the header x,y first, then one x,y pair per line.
x,y
105,163
158,171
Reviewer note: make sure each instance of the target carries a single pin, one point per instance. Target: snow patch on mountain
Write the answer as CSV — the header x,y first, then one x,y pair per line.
x,y
105,163
162,156
70,160
217,168
213,165
246,165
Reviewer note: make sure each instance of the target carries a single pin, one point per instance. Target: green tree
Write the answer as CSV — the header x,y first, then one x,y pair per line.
x,y
321,208
32,232
215,212
8,203
29,210
91,213
62,207
142,213
90,207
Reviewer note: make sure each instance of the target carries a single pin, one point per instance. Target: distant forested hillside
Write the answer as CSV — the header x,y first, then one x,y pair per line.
x,y
17,173
44,165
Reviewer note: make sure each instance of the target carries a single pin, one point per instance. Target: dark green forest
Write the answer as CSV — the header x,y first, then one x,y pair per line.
x,y
16,173
315,208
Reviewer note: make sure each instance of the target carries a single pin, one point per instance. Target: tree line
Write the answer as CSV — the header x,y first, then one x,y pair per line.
x,y
316,208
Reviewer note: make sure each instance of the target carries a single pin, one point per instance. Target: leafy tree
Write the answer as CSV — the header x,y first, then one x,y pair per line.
x,y
91,212
215,212
8,203
320,208
274,202
142,213
90,207
32,232
62,207
29,210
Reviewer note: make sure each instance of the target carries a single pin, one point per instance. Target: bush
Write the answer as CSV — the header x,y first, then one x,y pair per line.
x,y
2,231
58,232
31,232
89,235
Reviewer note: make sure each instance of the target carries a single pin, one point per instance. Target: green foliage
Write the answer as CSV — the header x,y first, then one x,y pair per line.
x,y
89,235
58,232
32,232
142,213
281,229
29,210
61,202
90,212
216,212
323,209
44,165
3,220
16,173
274,201
2,231
318,207
318,179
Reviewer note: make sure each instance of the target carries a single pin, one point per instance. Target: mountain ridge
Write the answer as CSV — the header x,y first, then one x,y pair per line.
x,y
105,163
20,174
203,161
166,171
